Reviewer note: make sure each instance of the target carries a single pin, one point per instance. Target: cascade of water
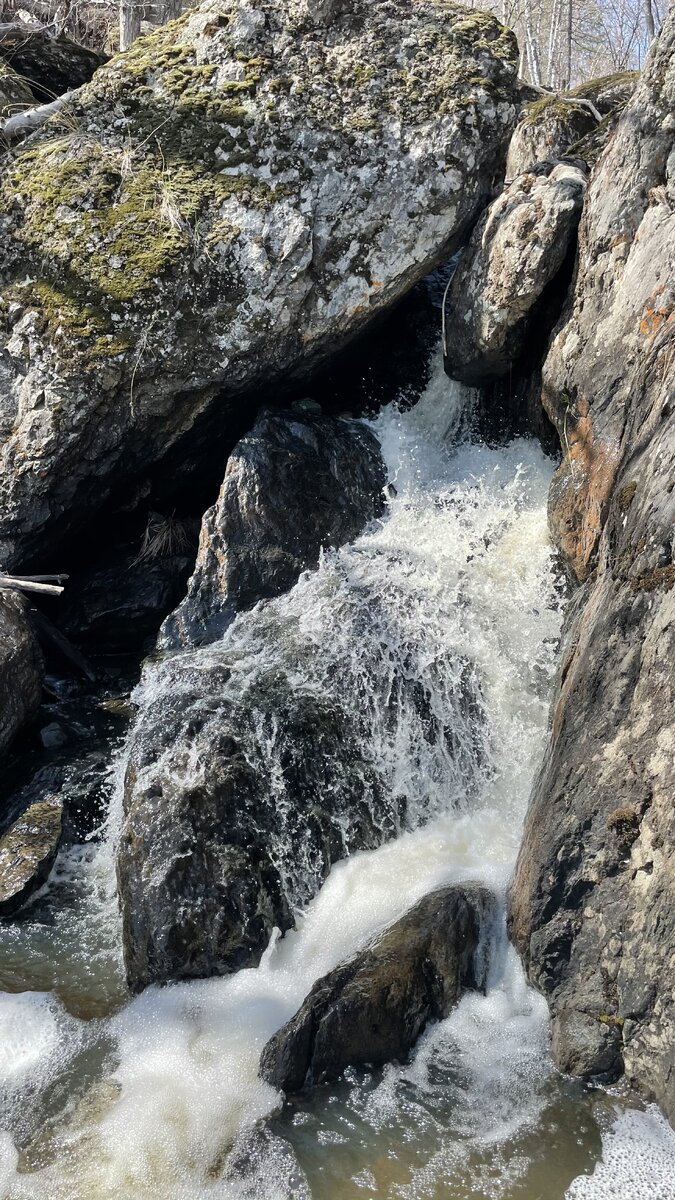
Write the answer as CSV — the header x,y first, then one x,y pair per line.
x,y
436,631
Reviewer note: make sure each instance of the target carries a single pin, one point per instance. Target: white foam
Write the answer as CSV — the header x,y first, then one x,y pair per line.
x,y
29,1035
458,578
638,1161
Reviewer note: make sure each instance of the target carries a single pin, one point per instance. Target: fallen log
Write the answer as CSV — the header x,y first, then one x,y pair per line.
x,y
25,123
32,583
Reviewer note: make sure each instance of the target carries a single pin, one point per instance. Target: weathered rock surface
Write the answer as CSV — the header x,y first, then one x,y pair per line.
x,y
49,65
21,668
554,126
611,349
516,251
373,1008
297,483
239,796
593,904
247,192
29,846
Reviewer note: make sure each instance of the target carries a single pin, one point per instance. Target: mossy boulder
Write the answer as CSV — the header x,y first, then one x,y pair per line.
x,y
564,124
233,198
28,850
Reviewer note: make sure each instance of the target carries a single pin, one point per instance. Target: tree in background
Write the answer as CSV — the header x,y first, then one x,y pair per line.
x,y
563,42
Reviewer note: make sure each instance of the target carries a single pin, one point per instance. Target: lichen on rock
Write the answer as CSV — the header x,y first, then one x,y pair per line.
x,y
224,202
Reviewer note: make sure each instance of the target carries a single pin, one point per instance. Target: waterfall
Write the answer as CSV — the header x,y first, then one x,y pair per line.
x,y
437,631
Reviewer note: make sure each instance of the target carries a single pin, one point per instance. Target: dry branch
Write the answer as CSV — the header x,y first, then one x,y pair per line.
x,y
28,583
24,123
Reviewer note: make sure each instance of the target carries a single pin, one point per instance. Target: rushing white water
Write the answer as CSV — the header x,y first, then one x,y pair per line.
x,y
454,592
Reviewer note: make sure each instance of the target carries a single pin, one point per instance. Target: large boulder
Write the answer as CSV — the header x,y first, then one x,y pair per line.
x,y
233,198
21,667
515,253
550,127
297,483
611,347
373,1008
239,795
593,903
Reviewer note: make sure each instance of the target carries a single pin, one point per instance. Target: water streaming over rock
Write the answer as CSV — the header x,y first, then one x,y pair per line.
x,y
436,631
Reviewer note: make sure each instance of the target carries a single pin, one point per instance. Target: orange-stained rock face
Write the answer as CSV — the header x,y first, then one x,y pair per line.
x,y
581,491
593,901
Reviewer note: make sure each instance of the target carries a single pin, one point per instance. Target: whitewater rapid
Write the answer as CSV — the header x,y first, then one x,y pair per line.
x,y
456,590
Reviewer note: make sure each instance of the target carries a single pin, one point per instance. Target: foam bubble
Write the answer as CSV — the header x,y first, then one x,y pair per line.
x,y
638,1161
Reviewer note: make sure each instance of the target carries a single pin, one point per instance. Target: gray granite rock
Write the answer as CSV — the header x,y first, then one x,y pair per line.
x,y
593,903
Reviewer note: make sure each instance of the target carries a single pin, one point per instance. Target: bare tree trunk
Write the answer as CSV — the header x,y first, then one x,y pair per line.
x,y
649,20
130,22
553,34
566,82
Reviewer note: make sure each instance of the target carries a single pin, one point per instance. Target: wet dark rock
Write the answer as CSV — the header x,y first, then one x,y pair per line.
x,y
515,253
593,902
213,857
297,483
21,667
373,1008
120,604
29,845
53,736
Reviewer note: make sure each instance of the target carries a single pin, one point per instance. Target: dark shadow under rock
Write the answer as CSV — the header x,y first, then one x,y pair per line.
x,y
372,1009
120,603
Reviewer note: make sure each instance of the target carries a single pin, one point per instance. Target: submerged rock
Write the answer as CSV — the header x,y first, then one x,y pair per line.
x,y
261,1163
29,846
236,196
593,903
21,667
298,483
373,1008
516,251
558,125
